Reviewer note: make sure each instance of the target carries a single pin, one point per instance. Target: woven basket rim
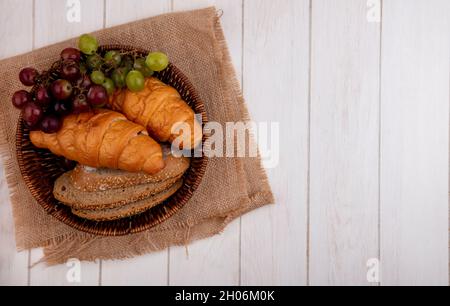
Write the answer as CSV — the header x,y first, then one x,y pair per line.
x,y
63,214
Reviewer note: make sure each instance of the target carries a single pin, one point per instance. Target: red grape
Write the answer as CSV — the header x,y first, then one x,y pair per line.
x,y
61,89
80,105
84,82
51,124
28,76
43,97
20,98
62,108
68,164
97,96
70,71
32,114
71,54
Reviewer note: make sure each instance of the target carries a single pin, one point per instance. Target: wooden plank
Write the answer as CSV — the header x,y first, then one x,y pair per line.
x,y
16,32
119,11
72,273
276,62
210,262
52,25
149,269
214,261
415,142
13,264
344,142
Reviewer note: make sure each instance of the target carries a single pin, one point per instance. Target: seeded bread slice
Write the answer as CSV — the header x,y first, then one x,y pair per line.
x,y
129,209
65,192
92,179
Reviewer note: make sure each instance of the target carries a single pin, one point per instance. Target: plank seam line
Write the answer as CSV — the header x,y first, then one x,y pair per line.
x,y
33,45
380,69
100,268
308,178
100,264
242,88
168,266
172,9
448,192
104,14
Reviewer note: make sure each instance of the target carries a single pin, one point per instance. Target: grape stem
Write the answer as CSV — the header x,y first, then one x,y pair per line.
x,y
46,77
133,53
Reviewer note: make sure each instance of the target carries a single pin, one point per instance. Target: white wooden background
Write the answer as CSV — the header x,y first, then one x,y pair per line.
x,y
364,113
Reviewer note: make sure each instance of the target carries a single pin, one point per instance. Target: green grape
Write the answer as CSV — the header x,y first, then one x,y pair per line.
x,y
97,77
157,61
135,81
113,58
139,65
94,61
109,86
126,69
127,62
119,76
88,44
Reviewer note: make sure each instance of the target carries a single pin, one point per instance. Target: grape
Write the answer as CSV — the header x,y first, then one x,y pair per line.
x,y
119,77
28,76
80,105
21,98
157,61
42,96
68,164
97,96
61,89
70,71
135,81
109,86
32,114
94,61
127,62
97,77
141,66
62,108
71,54
113,58
51,124
88,44
83,68
85,82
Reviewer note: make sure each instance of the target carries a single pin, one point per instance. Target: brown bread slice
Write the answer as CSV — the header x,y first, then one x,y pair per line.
x,y
65,192
91,179
130,209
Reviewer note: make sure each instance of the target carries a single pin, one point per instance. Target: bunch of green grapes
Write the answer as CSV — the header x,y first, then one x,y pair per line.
x,y
118,69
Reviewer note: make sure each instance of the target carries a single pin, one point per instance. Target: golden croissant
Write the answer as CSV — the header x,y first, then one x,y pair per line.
x,y
103,139
162,111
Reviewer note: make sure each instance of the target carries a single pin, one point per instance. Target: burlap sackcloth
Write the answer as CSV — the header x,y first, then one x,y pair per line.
x,y
231,187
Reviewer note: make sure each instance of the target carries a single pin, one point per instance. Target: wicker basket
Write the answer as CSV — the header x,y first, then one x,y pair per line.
x,y
40,168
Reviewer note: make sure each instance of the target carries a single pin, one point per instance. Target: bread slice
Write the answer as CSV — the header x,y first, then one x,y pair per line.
x,y
92,179
130,209
65,192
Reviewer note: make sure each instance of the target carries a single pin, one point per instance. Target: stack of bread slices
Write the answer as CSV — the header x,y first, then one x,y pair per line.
x,y
108,194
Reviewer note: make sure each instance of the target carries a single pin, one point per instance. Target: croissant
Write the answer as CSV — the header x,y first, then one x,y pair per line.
x,y
162,111
103,139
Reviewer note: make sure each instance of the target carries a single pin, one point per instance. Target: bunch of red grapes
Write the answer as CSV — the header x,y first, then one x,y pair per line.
x,y
82,79
72,92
